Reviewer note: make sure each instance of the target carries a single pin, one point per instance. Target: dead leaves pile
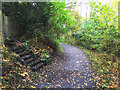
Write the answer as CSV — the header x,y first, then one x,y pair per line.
x,y
15,74
106,69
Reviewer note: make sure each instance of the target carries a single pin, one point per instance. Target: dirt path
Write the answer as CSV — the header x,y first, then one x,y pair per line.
x,y
72,71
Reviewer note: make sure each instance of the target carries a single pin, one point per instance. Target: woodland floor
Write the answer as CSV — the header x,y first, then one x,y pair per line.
x,y
71,71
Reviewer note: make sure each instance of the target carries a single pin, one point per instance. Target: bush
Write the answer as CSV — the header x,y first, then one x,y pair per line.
x,y
58,46
101,31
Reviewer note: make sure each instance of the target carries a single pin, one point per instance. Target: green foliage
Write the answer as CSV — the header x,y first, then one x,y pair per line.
x,y
78,22
61,20
40,18
58,45
30,15
101,31
105,67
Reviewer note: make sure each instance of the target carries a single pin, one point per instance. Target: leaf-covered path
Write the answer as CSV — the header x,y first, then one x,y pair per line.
x,y
72,71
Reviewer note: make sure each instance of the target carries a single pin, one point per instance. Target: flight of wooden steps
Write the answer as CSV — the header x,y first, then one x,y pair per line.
x,y
26,55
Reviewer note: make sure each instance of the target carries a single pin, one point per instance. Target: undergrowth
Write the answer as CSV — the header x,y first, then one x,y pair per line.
x,y
105,67
15,75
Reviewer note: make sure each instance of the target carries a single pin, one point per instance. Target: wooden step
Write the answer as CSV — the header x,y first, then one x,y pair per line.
x,y
10,44
22,53
35,62
26,58
19,51
8,41
16,48
22,61
29,60
37,67
11,40
26,53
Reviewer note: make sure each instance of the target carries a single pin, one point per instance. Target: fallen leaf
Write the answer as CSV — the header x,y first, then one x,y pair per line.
x,y
58,85
45,80
18,86
32,86
80,76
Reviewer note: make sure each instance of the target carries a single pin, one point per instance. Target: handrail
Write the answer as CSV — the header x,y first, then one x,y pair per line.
x,y
18,42
35,56
14,39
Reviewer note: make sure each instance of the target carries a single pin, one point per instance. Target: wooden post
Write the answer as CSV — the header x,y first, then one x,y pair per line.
x,y
1,43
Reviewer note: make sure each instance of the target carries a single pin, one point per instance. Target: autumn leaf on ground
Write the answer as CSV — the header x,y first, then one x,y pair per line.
x,y
80,76
18,86
28,77
23,74
32,86
58,85
10,64
45,80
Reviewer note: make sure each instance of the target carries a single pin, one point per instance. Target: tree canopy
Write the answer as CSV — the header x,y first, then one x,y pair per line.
x,y
43,17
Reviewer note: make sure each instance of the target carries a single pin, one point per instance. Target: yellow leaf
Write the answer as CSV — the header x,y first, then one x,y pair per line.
x,y
45,80
76,80
18,86
32,87
35,84
58,85
4,86
45,75
85,84
24,80
20,65
23,74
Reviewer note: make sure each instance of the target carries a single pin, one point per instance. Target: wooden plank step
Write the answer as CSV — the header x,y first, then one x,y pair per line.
x,y
19,51
22,53
22,61
11,40
38,66
29,60
26,53
10,44
35,62
26,58
16,48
